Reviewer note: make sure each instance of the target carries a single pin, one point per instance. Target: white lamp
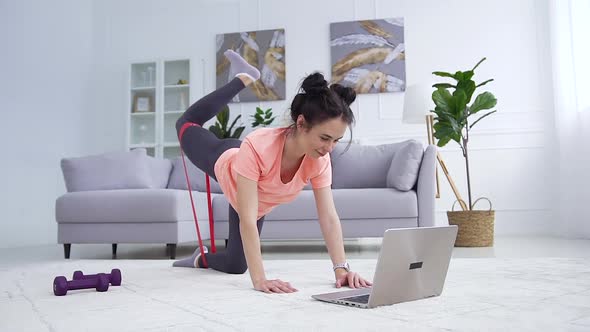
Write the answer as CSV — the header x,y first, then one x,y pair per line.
x,y
417,106
417,103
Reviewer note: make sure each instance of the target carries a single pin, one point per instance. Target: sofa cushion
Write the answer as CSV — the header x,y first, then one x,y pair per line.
x,y
113,170
369,203
196,177
361,166
159,170
405,166
130,205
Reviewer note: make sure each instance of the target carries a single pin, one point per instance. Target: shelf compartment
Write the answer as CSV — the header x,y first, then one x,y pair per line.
x,y
143,101
175,71
176,98
143,75
143,130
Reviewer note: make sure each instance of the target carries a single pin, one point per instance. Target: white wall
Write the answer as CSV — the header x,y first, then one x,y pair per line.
x,y
508,151
45,63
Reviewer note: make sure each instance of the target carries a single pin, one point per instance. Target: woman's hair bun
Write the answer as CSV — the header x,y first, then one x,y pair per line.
x,y
347,94
315,84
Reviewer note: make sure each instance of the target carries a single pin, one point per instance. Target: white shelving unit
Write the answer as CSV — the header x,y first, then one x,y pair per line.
x,y
159,92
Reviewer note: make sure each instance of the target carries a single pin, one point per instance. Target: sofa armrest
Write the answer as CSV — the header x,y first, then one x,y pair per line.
x,y
426,188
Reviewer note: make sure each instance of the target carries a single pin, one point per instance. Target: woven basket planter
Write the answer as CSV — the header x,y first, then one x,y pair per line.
x,y
476,227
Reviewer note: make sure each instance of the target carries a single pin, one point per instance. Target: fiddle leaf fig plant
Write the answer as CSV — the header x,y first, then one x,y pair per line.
x,y
455,111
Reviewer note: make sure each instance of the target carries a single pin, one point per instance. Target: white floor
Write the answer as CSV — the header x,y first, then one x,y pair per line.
x,y
520,284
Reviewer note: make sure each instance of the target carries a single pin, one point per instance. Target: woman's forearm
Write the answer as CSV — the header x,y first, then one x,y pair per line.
x,y
251,244
332,232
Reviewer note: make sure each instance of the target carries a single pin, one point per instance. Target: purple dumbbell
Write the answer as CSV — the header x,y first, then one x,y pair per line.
x,y
114,277
61,285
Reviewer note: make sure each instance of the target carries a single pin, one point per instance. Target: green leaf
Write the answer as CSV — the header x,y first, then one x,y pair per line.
x,y
477,65
442,130
223,117
443,141
234,123
443,99
485,82
460,98
238,132
443,74
484,101
483,116
443,86
468,87
442,113
468,75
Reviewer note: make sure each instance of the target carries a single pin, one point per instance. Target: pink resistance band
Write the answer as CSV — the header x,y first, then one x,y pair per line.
x,y
210,207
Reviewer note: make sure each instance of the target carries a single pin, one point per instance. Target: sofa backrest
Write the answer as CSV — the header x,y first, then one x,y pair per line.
x,y
196,177
393,165
370,166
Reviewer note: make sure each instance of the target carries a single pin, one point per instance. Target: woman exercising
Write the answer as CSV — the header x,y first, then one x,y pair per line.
x,y
270,167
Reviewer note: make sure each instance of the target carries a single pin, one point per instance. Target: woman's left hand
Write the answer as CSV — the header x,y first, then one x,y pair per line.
x,y
351,279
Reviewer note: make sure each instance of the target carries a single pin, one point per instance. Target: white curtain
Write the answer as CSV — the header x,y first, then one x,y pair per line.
x,y
570,57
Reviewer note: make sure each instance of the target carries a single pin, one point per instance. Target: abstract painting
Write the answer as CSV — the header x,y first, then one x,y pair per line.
x,y
369,55
264,50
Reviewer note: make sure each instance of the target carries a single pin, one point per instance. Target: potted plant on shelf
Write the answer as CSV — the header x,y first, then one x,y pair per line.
x,y
262,117
453,121
221,130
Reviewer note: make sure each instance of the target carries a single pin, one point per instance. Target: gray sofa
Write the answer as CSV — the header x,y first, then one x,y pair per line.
x,y
130,197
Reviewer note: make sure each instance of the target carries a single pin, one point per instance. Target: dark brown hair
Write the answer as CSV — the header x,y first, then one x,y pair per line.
x,y
318,102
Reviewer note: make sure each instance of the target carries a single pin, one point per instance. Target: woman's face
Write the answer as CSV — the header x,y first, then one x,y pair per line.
x,y
321,138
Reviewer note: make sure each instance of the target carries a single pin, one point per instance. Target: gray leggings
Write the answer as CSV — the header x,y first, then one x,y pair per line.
x,y
203,149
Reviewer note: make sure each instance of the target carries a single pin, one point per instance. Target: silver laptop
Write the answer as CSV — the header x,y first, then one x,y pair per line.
x,y
412,265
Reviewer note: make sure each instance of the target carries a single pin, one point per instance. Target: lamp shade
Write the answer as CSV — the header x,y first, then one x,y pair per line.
x,y
417,103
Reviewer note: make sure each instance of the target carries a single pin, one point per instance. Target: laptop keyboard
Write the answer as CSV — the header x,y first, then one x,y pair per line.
x,y
357,299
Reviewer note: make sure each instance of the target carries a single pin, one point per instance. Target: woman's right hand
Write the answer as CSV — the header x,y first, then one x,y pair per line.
x,y
274,286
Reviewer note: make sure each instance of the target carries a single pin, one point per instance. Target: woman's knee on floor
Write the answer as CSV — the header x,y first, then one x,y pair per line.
x,y
237,267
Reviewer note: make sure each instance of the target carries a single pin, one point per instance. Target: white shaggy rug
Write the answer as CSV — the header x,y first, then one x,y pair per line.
x,y
539,294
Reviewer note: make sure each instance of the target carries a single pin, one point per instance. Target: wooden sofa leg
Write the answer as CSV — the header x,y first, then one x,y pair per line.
x,y
114,250
67,247
226,241
171,250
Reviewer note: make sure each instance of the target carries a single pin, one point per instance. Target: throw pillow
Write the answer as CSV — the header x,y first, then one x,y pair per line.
x,y
405,166
159,170
113,170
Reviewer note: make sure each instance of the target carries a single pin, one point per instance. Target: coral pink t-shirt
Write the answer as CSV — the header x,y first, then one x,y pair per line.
x,y
259,159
